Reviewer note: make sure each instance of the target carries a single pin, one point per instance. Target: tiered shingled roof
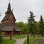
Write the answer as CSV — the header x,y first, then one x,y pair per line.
x,y
9,12
9,27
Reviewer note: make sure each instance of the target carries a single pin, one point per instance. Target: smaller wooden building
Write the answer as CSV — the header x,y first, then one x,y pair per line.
x,y
8,23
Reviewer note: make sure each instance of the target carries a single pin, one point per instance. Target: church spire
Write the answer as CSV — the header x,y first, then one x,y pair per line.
x,y
9,7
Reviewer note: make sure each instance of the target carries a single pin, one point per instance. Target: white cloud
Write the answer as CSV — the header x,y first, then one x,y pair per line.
x,y
23,7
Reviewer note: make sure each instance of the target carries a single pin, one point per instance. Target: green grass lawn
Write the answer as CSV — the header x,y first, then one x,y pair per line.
x,y
31,40
19,36
8,41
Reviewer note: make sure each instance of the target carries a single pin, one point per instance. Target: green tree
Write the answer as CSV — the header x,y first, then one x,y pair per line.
x,y
23,26
0,32
31,23
20,25
0,28
37,27
41,26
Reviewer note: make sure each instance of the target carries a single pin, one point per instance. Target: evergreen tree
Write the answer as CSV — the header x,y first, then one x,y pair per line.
x,y
41,26
31,23
0,33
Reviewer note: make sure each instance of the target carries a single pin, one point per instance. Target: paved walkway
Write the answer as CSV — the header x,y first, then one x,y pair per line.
x,y
20,41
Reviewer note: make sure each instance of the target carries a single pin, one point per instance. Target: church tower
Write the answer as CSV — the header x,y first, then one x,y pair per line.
x,y
9,16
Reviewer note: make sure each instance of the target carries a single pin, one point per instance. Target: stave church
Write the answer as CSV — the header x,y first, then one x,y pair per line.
x,y
9,26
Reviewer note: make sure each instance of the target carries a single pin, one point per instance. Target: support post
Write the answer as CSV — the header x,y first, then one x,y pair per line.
x,y
28,39
10,35
6,34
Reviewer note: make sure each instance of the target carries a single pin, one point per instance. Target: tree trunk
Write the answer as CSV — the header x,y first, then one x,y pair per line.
x,y
34,35
31,34
42,35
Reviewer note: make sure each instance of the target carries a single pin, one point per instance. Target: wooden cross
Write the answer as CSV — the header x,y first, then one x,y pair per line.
x,y
9,1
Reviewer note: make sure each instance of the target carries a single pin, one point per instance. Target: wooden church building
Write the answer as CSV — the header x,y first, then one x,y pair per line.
x,y
8,23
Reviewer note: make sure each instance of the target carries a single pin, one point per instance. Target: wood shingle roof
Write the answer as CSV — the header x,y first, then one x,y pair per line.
x,y
10,28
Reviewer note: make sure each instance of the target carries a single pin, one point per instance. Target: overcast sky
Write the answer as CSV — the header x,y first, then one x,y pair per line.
x,y
22,8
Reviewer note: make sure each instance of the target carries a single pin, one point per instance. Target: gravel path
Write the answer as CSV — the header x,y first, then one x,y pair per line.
x,y
20,41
